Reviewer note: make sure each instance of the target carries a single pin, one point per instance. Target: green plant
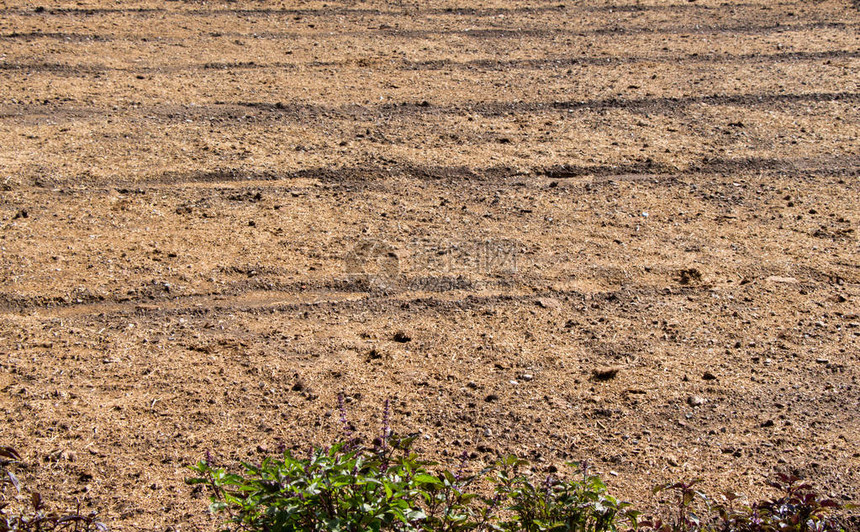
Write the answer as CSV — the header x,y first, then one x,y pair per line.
x,y
685,519
334,489
354,489
349,487
450,507
346,487
36,518
575,505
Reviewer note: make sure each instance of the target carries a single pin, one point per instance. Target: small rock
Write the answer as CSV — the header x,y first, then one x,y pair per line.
x,y
606,373
526,377
62,455
822,360
262,448
768,423
779,279
549,302
672,461
492,398
708,376
689,276
696,400
401,337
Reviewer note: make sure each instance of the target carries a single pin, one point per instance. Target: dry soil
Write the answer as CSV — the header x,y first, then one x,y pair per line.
x,y
216,216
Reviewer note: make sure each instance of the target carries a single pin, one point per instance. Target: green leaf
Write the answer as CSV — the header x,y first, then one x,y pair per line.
x,y
660,487
424,478
415,514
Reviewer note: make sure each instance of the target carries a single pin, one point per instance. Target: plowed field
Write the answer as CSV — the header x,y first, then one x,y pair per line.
x,y
216,216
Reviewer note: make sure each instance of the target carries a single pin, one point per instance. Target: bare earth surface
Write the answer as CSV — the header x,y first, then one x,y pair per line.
x,y
216,216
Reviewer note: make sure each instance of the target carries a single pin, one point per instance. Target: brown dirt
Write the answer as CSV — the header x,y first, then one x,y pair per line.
x,y
587,217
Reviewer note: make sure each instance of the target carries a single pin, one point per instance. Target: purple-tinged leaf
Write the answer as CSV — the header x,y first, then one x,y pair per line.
x,y
36,499
10,453
14,480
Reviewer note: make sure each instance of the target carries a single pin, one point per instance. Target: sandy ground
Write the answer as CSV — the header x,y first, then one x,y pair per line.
x,y
215,217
